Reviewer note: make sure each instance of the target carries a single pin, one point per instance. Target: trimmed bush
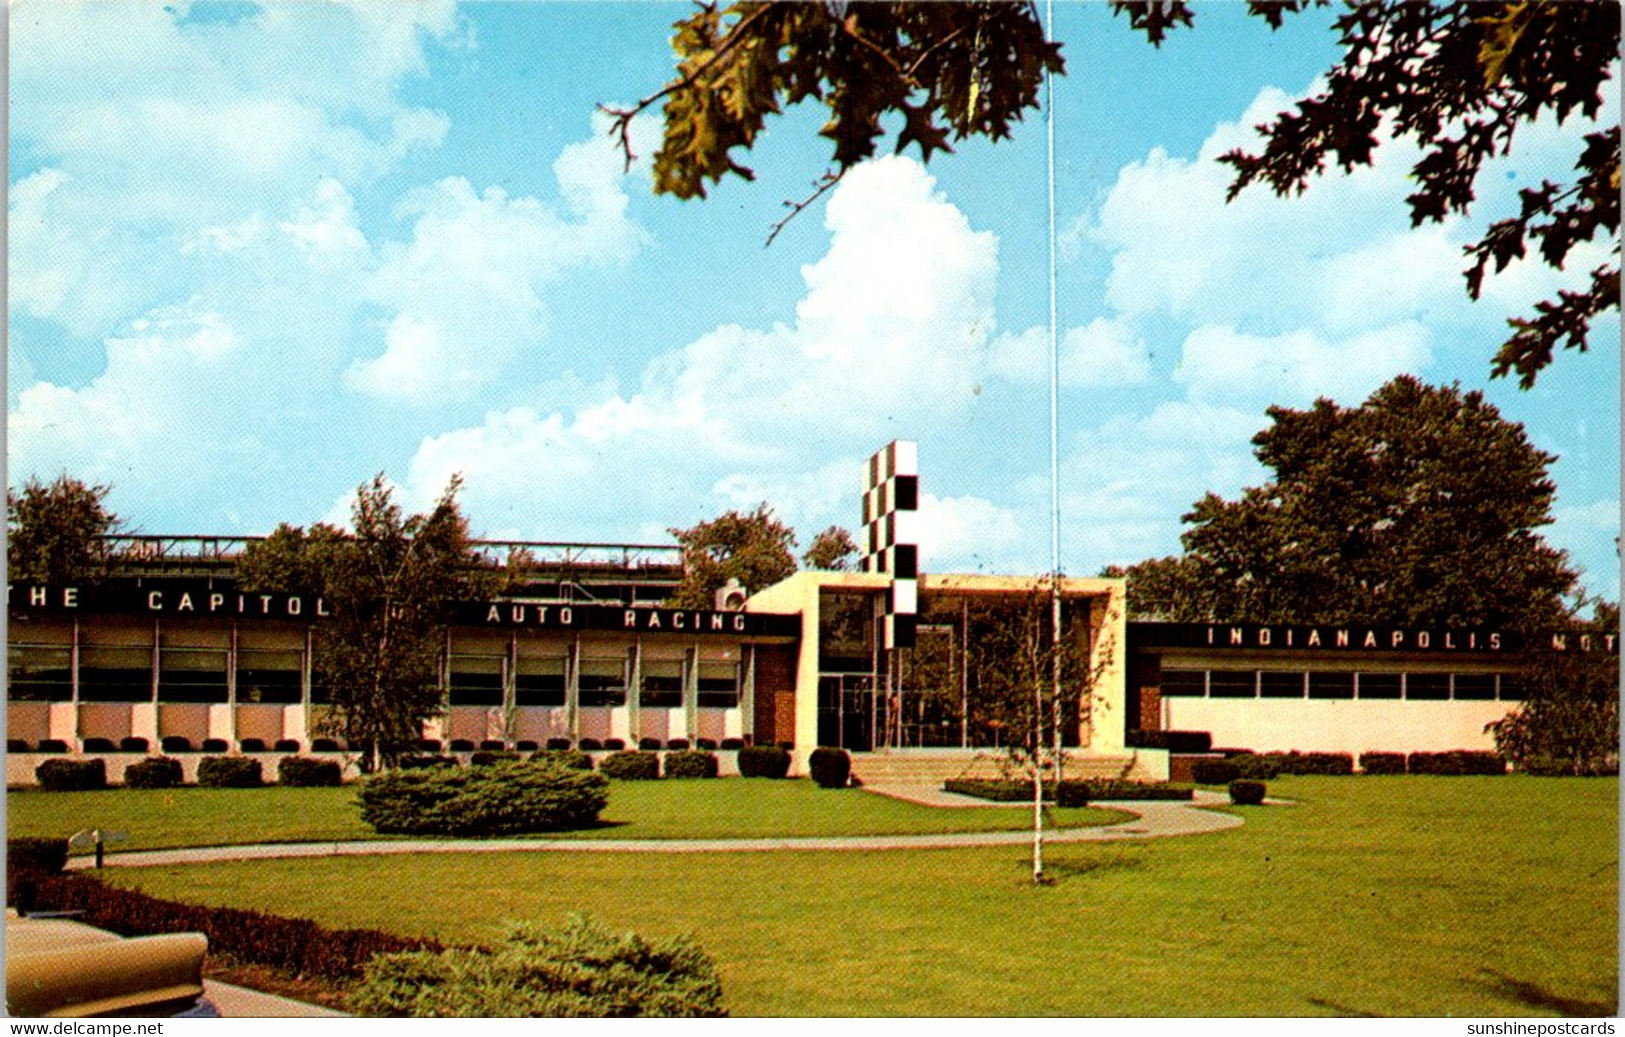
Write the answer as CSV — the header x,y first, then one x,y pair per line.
x,y
614,745
649,745
72,775
1007,790
567,758
486,757
428,745
1247,793
583,971
99,745
525,745
175,744
16,745
1214,772
1073,792
731,744
503,799
157,772
558,743
708,744
1457,762
630,765
30,861
1255,767
829,767
411,763
591,745
304,772
1382,763
764,761
286,745
317,745
215,745
461,745
690,763
251,745
51,745
1301,763
229,772
677,743
133,745
493,745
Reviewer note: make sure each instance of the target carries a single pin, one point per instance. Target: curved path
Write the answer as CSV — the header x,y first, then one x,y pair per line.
x,y
1155,820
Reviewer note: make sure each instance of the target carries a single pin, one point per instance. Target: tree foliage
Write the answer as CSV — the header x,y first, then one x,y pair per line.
x,y
1458,77
832,550
754,548
57,532
1420,507
1568,722
388,587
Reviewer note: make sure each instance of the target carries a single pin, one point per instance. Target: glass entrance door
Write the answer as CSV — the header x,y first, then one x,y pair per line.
x,y
846,711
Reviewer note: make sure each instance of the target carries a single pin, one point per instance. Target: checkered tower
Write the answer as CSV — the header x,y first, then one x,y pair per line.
x,y
891,500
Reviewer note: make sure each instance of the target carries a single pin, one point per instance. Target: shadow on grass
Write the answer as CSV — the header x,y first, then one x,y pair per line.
x,y
1536,996
1059,869
1345,1011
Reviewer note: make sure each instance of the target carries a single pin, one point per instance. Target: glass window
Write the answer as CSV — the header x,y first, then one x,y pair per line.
x,y
1337,686
719,685
115,674
603,682
39,673
1191,683
846,632
1427,686
1280,684
1232,684
539,682
268,676
191,675
1379,685
1514,687
662,683
1475,686
474,680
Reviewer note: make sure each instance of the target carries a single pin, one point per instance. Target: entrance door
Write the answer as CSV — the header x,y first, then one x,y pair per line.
x,y
846,711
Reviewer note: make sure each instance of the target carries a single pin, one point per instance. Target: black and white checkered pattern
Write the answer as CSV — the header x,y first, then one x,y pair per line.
x,y
891,500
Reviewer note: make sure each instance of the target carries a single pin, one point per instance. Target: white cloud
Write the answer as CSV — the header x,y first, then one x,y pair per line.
x,y
964,528
1222,364
1101,354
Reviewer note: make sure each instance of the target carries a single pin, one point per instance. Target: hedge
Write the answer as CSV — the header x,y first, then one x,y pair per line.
x,y
649,745
412,763
461,745
1457,762
614,745
158,772
630,765
591,745
689,763
525,745
1382,763
1073,792
763,761
829,767
317,745
286,745
229,772
1214,772
677,743
565,757
493,745
1247,793
251,745
428,745
16,745
502,799
558,743
294,945
732,744
486,757
99,745
175,744
72,775
708,744
1266,766
215,745
305,772
51,745
584,971
30,861
133,745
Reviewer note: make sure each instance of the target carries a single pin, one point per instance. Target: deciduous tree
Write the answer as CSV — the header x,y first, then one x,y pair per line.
x,y
833,549
57,532
1568,722
752,547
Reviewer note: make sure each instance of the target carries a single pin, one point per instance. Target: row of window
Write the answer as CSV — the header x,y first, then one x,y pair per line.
x,y
1315,684
40,673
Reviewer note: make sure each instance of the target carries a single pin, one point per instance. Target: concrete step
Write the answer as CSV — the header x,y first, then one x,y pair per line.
x,y
933,768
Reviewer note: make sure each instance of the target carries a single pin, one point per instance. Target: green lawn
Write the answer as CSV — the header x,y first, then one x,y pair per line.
x,y
1387,896
695,809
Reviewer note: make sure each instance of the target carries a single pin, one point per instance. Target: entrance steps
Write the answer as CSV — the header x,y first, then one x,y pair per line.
x,y
934,766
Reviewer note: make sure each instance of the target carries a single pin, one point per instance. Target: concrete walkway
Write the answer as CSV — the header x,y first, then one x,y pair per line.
x,y
1156,819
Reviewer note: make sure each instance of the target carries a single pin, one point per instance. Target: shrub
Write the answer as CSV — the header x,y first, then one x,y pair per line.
x,y
1113,788
1309,763
568,758
133,745
1541,766
51,745
251,745
99,745
583,971
410,763
72,775
614,744
1073,792
16,745
677,743
486,757
305,772
731,744
428,745
829,767
317,745
690,763
30,860
1382,763
1010,790
215,745
708,744
764,761
229,772
503,799
649,745
1214,772
591,745
157,772
558,743
1247,793
493,745
525,745
461,745
175,744
1457,762
1255,767
630,765
286,745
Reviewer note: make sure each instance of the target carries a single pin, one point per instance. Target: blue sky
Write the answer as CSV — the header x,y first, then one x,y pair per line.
x,y
260,253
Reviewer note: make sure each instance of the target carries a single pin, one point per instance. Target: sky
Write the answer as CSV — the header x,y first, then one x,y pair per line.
x,y
258,253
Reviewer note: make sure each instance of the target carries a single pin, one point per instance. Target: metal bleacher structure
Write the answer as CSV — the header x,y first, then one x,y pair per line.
x,y
545,571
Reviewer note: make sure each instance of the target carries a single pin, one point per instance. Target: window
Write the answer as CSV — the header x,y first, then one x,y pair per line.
x,y
1427,686
1379,685
115,674
662,684
603,682
192,675
474,680
1232,684
1336,686
719,685
539,682
268,676
39,673
1184,683
1475,686
1280,684
1514,687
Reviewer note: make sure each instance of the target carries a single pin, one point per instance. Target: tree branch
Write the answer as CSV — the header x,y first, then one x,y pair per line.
x,y
821,186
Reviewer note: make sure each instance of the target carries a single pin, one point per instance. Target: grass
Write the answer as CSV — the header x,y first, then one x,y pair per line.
x,y
723,808
1380,896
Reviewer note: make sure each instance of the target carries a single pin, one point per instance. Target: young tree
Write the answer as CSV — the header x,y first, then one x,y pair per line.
x,y
57,532
1420,507
833,549
754,548
1569,721
1458,77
